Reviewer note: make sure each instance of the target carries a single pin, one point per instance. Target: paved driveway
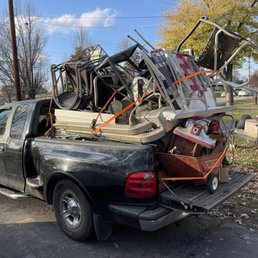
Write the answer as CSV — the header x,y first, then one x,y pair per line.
x,y
27,229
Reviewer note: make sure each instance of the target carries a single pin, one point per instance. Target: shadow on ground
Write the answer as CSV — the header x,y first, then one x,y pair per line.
x,y
201,236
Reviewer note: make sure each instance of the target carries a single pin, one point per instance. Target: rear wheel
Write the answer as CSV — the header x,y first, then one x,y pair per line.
x,y
241,123
72,210
213,183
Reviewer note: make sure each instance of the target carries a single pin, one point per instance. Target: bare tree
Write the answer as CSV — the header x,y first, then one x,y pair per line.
x,y
124,44
31,42
7,92
81,41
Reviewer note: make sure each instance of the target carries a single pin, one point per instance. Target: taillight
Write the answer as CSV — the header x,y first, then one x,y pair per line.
x,y
141,184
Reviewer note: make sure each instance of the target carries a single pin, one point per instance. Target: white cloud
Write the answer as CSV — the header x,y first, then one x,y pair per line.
x,y
67,22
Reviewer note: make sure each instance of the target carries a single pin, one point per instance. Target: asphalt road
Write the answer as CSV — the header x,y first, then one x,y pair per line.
x,y
28,229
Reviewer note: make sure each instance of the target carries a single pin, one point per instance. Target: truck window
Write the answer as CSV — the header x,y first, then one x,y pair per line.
x,y
43,123
19,120
4,114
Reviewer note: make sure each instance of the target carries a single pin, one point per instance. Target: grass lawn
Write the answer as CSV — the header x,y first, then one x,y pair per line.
x,y
242,207
217,93
245,152
245,107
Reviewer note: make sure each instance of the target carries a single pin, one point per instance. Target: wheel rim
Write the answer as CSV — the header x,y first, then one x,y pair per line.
x,y
70,210
215,183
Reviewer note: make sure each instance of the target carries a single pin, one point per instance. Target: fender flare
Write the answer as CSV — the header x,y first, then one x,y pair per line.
x,y
55,177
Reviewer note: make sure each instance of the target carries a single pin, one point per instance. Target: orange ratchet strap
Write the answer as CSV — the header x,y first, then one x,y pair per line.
x,y
194,74
96,130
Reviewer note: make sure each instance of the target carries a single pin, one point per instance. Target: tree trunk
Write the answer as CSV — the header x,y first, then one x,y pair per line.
x,y
228,90
8,94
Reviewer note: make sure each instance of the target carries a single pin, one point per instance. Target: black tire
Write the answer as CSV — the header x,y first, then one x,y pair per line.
x,y
213,183
241,123
72,210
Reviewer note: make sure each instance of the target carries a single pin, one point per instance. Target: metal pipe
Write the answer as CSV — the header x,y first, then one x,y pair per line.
x,y
190,33
233,35
234,55
216,49
205,20
138,33
140,45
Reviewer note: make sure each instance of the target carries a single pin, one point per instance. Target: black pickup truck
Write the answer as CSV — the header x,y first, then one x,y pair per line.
x,y
93,184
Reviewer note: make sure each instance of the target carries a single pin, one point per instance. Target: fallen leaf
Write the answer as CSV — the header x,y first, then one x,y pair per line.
x,y
239,221
245,237
244,216
116,245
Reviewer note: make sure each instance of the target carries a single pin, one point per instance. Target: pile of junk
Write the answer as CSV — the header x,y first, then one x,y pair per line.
x,y
152,96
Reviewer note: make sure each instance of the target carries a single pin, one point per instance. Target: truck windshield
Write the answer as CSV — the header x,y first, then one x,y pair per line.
x,y
4,114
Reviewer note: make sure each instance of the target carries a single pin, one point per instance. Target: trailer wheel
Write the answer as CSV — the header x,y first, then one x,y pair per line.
x,y
241,123
213,183
72,210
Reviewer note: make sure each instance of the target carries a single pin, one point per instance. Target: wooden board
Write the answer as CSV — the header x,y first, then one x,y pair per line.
x,y
77,117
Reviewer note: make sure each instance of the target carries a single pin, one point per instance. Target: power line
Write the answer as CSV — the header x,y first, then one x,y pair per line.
x,y
134,17
104,17
97,27
55,23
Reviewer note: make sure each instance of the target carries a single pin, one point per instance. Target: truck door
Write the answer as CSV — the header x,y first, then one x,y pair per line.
x,y
14,148
4,115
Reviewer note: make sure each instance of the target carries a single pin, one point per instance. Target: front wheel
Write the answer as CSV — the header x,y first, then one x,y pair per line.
x,y
72,210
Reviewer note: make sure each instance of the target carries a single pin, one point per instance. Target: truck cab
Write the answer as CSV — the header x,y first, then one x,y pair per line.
x,y
19,123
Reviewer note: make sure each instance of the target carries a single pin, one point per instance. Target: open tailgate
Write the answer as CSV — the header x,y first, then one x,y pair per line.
x,y
197,199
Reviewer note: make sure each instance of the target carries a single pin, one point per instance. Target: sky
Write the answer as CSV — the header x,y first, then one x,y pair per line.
x,y
107,22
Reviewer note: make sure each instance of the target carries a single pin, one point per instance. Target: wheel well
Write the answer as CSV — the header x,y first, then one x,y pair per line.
x,y
51,186
58,177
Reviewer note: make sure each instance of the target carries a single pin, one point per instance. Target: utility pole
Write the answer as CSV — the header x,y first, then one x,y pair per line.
x,y
249,69
14,49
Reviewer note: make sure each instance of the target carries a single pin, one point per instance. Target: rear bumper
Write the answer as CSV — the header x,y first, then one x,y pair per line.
x,y
147,219
171,217
185,200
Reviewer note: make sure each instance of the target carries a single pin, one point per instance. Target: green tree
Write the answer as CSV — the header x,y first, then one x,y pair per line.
x,y
238,16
